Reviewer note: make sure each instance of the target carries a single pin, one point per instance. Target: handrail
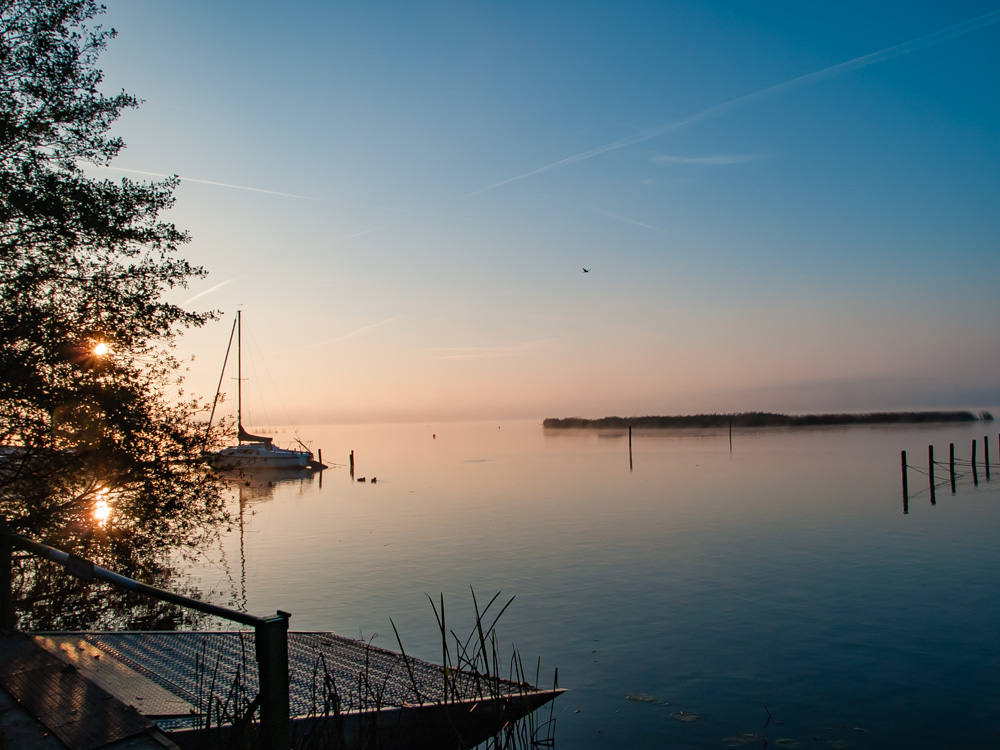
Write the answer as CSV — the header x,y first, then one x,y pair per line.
x,y
88,571
270,633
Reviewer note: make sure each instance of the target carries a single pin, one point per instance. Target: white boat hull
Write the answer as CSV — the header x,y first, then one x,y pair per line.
x,y
259,456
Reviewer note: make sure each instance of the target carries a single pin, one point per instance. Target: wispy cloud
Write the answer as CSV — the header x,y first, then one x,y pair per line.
x,y
256,189
360,233
216,184
712,161
215,288
627,220
488,352
329,243
857,63
356,332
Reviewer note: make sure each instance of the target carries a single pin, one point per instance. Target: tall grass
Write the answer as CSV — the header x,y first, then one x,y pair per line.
x,y
473,675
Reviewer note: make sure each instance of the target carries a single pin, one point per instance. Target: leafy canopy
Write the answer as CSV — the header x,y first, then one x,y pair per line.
x,y
86,262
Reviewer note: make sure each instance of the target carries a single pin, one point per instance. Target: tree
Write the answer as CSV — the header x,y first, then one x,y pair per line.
x,y
90,399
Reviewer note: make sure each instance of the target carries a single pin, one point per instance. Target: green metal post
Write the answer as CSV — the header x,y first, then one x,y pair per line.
x,y
7,619
272,673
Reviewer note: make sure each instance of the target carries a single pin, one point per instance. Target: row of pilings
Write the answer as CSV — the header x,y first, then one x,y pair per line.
x,y
957,468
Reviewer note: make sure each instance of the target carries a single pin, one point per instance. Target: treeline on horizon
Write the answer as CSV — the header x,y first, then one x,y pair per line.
x,y
766,419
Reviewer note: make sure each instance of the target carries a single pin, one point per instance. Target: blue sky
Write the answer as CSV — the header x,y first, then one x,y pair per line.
x,y
784,206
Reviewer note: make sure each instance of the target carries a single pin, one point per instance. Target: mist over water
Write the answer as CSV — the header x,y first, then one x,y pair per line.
x,y
777,590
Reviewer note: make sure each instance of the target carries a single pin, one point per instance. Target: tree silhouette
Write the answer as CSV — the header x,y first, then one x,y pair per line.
x,y
91,407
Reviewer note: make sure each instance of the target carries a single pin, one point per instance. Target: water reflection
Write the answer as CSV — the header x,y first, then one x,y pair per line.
x,y
781,574
254,487
98,504
102,509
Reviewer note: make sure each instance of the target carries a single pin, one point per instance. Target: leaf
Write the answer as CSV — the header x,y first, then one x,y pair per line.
x,y
641,698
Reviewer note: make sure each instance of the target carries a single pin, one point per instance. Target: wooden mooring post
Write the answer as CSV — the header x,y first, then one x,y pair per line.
x,y
930,472
975,470
986,455
906,496
630,447
352,464
951,466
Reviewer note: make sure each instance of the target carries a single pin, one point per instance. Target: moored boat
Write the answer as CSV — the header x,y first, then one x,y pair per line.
x,y
259,456
251,451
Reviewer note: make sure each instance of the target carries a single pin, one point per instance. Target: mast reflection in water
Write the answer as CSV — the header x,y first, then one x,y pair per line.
x,y
781,574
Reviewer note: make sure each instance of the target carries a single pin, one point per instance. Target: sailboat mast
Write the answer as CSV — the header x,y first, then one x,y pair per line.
x,y
239,379
222,375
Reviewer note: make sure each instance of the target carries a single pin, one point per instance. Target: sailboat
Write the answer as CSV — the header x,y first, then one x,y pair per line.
x,y
251,451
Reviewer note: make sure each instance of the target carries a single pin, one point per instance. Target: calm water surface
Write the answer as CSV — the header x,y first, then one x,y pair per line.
x,y
778,589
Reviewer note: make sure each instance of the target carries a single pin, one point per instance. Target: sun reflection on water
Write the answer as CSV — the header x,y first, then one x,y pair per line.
x,y
102,508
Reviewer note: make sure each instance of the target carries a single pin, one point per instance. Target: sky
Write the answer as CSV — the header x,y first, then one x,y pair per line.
x,y
784,206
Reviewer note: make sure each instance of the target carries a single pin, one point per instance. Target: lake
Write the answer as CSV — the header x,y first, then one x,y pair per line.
x,y
776,589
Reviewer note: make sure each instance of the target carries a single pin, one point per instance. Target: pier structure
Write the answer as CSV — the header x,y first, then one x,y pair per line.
x,y
262,687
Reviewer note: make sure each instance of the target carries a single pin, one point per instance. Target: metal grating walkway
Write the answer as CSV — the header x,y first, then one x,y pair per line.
x,y
81,714
323,668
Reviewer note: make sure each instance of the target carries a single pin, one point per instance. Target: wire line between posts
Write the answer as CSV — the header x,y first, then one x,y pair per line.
x,y
952,466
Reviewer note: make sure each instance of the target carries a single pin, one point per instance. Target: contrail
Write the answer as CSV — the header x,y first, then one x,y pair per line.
x,y
216,184
712,161
356,332
922,42
488,352
257,190
627,220
209,291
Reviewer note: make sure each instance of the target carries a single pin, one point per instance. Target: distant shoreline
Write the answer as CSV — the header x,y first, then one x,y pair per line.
x,y
766,419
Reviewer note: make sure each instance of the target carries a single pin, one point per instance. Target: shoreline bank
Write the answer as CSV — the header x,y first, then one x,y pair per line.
x,y
765,419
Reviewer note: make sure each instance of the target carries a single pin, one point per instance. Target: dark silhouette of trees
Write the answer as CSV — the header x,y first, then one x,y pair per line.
x,y
765,419
92,415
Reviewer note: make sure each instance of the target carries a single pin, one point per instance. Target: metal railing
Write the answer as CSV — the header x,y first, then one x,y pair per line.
x,y
270,633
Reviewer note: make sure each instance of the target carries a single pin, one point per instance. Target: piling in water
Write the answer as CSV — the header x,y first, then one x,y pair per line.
x,y
951,466
986,455
906,498
975,470
930,472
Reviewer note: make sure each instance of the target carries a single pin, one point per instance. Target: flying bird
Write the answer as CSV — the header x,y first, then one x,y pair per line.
x,y
586,270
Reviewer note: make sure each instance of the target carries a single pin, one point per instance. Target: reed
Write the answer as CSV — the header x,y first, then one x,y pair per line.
x,y
476,671
472,669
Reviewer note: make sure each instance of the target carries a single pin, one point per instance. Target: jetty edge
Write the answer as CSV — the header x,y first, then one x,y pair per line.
x,y
262,686
766,419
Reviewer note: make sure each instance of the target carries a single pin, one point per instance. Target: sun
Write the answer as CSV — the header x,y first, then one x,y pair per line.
x,y
101,349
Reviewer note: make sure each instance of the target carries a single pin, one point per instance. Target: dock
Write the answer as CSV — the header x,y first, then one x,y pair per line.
x,y
94,690
266,687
